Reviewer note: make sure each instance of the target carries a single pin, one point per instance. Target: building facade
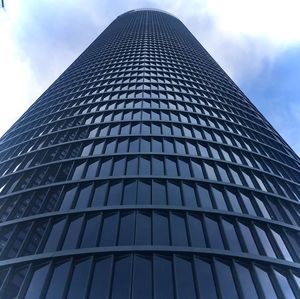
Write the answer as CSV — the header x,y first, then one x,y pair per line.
x,y
144,172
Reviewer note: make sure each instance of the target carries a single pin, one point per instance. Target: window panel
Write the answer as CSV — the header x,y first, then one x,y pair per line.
x,y
54,236
197,169
109,229
196,231
126,231
132,166
246,282
58,281
78,285
105,168
121,278
219,199
284,285
204,197
119,167
99,196
144,192
231,235
129,194
101,278
157,166
37,282
163,277
115,193
174,193
281,244
73,233
265,283
143,229
248,239
91,231
142,278
68,199
213,233
265,241
160,229
83,197
205,279
178,230
171,167
184,278
159,193
234,202
189,195
226,281
210,171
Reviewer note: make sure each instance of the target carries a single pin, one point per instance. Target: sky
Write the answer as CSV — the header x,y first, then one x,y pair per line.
x,y
257,42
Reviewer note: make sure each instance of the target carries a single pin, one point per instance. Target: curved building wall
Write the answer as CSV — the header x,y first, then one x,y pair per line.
x,y
144,172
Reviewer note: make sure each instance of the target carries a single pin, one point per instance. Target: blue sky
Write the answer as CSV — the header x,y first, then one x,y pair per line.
x,y
257,42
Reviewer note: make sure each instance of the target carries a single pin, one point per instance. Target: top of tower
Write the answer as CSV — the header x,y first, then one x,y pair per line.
x,y
149,9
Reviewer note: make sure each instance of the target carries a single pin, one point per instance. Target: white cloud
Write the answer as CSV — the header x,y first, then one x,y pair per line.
x,y
276,21
17,80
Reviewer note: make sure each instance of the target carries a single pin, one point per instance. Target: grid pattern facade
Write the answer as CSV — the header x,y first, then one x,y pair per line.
x,y
145,170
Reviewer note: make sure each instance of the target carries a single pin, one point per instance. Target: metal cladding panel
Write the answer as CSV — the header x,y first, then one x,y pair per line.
x,y
144,172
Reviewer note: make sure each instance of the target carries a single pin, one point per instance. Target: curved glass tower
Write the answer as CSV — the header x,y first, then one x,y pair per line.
x,y
144,172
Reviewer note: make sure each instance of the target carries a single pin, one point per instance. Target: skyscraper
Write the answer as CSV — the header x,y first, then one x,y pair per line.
x,y
144,172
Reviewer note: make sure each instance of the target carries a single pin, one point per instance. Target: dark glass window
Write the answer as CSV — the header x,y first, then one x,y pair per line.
x,y
72,235
204,197
163,277
121,278
265,241
101,278
37,282
219,199
109,230
226,281
246,282
144,192
197,170
214,234
142,277
159,193
265,283
68,199
83,197
54,236
205,279
144,166
129,193
99,196
174,194
78,284
189,195
58,281
90,233
178,230
196,231
92,170
231,235
248,239
126,231
184,278
115,193
284,285
171,167
143,229
160,229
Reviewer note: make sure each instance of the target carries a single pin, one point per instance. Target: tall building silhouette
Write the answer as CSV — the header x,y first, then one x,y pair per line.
x,y
144,172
